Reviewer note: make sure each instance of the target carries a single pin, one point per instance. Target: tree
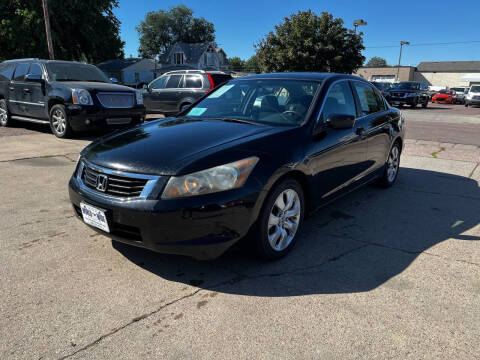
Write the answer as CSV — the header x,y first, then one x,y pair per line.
x,y
161,29
376,62
308,42
236,64
81,30
251,65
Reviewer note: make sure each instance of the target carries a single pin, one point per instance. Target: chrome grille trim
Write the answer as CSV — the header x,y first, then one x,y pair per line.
x,y
118,181
116,100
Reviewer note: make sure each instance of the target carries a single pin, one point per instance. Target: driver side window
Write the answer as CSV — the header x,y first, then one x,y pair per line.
x,y
339,100
159,83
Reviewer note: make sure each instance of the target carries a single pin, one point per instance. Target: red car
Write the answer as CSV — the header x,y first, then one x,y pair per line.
x,y
444,96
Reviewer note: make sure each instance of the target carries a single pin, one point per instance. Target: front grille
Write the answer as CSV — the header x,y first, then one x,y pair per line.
x,y
475,97
116,185
116,100
399,94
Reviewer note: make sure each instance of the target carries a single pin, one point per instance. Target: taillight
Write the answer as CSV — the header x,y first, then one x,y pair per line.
x,y
212,85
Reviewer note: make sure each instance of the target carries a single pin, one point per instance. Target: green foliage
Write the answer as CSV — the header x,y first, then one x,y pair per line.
x,y
308,42
250,65
81,30
161,29
376,62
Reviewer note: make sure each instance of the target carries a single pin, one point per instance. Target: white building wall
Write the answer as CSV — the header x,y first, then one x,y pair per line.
x,y
444,79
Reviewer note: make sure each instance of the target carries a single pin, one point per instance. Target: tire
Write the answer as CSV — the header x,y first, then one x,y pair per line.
x,y
5,119
392,166
59,123
414,105
425,104
184,106
275,210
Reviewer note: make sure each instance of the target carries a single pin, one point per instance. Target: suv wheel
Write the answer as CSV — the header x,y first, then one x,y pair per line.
x,y
5,119
425,104
59,122
278,222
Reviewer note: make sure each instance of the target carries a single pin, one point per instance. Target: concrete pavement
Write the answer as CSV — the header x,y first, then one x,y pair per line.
x,y
378,274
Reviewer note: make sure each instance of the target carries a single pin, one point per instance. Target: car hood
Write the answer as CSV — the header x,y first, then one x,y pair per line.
x,y
164,147
402,91
94,86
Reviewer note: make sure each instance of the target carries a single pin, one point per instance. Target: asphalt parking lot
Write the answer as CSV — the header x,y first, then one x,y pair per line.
x,y
379,274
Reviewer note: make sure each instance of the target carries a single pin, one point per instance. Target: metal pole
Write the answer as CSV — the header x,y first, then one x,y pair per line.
x,y
399,60
47,30
355,25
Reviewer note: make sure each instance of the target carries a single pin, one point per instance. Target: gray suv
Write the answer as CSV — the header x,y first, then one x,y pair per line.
x,y
176,90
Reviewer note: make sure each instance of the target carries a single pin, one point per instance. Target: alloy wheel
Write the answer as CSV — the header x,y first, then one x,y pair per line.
x,y
284,220
393,163
58,121
3,113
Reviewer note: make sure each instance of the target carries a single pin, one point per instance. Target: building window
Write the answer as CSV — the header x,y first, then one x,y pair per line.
x,y
137,77
178,58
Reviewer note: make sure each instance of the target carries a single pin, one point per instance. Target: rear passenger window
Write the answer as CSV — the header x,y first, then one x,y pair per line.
x,y
20,72
193,81
35,69
6,72
369,101
339,101
174,82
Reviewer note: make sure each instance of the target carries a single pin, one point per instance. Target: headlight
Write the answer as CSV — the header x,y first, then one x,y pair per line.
x,y
81,97
220,178
139,97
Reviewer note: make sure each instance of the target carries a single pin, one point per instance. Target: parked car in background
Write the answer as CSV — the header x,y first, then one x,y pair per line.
x,y
68,96
459,94
382,86
444,97
176,90
408,93
257,153
473,96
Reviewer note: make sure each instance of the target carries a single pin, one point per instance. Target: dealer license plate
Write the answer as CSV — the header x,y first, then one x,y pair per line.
x,y
94,216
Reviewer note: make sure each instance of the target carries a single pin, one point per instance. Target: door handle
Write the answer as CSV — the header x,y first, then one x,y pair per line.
x,y
27,90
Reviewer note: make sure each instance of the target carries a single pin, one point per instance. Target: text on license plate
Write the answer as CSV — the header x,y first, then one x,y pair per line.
x,y
94,216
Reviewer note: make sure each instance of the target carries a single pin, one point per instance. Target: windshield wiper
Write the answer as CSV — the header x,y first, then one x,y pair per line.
x,y
234,120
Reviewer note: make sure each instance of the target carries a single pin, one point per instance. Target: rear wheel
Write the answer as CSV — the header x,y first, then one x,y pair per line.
x,y
425,104
5,119
278,222
59,122
392,166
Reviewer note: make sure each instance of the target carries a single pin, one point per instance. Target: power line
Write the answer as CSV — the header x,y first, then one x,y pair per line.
x,y
427,44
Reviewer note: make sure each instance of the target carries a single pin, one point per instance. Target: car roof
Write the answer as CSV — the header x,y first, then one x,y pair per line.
x,y
300,76
44,61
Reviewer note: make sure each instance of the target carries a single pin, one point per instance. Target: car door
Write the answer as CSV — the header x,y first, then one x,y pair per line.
x,y
16,101
336,156
173,93
152,97
34,94
375,123
193,89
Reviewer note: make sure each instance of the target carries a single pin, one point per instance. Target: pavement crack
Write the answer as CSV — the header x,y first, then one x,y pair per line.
x,y
131,322
39,157
471,173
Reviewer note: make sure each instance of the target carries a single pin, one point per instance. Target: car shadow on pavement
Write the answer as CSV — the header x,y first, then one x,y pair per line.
x,y
355,244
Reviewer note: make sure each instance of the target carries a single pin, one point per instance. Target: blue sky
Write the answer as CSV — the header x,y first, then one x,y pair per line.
x,y
239,24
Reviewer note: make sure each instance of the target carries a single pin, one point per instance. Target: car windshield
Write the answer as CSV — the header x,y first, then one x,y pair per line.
x,y
272,102
475,89
382,85
458,90
75,72
406,86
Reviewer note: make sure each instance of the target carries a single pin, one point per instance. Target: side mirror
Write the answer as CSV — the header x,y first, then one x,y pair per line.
x,y
114,80
34,78
146,87
340,121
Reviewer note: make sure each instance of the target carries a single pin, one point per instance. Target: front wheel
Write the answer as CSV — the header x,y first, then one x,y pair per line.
x,y
5,119
278,222
425,104
392,166
59,122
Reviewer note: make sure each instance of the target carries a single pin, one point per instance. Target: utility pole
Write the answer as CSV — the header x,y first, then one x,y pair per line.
x,y
47,30
400,57
357,23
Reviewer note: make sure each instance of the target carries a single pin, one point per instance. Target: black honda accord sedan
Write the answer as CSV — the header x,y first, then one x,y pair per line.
x,y
254,156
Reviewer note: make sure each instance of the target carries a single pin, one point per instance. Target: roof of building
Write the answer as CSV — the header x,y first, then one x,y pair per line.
x,y
117,64
143,65
449,66
192,52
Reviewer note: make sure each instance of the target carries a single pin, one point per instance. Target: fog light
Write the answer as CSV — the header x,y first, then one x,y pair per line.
x,y
87,121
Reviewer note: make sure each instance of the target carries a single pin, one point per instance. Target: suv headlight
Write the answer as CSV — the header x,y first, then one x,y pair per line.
x,y
81,97
139,97
219,178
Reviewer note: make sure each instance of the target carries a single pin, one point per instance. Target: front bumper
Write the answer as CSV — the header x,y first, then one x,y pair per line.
x,y
472,101
202,227
401,100
83,118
